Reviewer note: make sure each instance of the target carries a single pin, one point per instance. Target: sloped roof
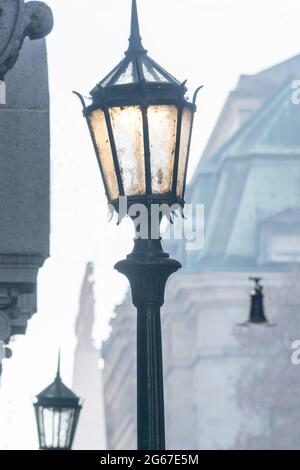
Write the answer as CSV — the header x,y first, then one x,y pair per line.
x,y
137,67
274,129
57,394
251,92
281,72
253,176
58,390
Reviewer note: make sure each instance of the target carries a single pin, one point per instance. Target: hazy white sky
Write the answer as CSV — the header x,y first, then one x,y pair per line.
x,y
208,42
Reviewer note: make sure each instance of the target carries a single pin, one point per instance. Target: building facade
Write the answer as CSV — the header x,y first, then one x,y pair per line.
x,y
228,387
24,160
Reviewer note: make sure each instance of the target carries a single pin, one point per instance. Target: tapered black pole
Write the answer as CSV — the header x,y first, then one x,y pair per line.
x,y
148,269
150,389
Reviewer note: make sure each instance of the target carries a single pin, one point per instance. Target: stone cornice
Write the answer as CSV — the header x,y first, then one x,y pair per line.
x,y
19,20
18,276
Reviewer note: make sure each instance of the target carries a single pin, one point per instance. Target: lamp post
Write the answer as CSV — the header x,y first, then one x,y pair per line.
x,y
57,411
141,127
257,316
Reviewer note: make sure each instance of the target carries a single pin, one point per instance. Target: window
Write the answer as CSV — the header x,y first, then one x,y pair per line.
x,y
285,247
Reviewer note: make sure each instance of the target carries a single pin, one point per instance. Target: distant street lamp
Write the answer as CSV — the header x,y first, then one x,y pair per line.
x,y
141,127
57,411
257,310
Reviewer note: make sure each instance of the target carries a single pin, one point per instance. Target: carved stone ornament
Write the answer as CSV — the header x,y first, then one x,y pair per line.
x,y
19,20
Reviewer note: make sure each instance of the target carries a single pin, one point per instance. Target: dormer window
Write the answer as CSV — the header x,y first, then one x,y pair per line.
x,y
279,240
285,247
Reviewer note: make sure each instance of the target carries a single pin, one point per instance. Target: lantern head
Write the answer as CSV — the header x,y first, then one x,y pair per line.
x,y
57,411
141,126
257,310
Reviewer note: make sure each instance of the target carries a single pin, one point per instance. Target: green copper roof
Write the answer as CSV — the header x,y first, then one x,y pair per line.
x,y
254,177
272,130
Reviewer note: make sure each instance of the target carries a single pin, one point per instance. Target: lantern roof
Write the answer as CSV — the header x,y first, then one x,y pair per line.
x,y
137,67
57,394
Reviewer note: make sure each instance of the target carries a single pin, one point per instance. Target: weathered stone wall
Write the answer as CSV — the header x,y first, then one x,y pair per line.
x,y
24,186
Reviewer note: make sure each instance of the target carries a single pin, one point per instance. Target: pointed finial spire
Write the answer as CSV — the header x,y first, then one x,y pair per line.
x,y
58,367
135,40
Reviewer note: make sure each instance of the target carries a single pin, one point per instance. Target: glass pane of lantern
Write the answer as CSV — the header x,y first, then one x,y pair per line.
x,y
66,427
162,132
56,423
101,136
51,427
127,124
41,429
152,75
127,76
184,143
110,79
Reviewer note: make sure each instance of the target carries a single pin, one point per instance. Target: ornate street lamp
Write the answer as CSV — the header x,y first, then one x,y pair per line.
x,y
140,123
257,310
57,411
